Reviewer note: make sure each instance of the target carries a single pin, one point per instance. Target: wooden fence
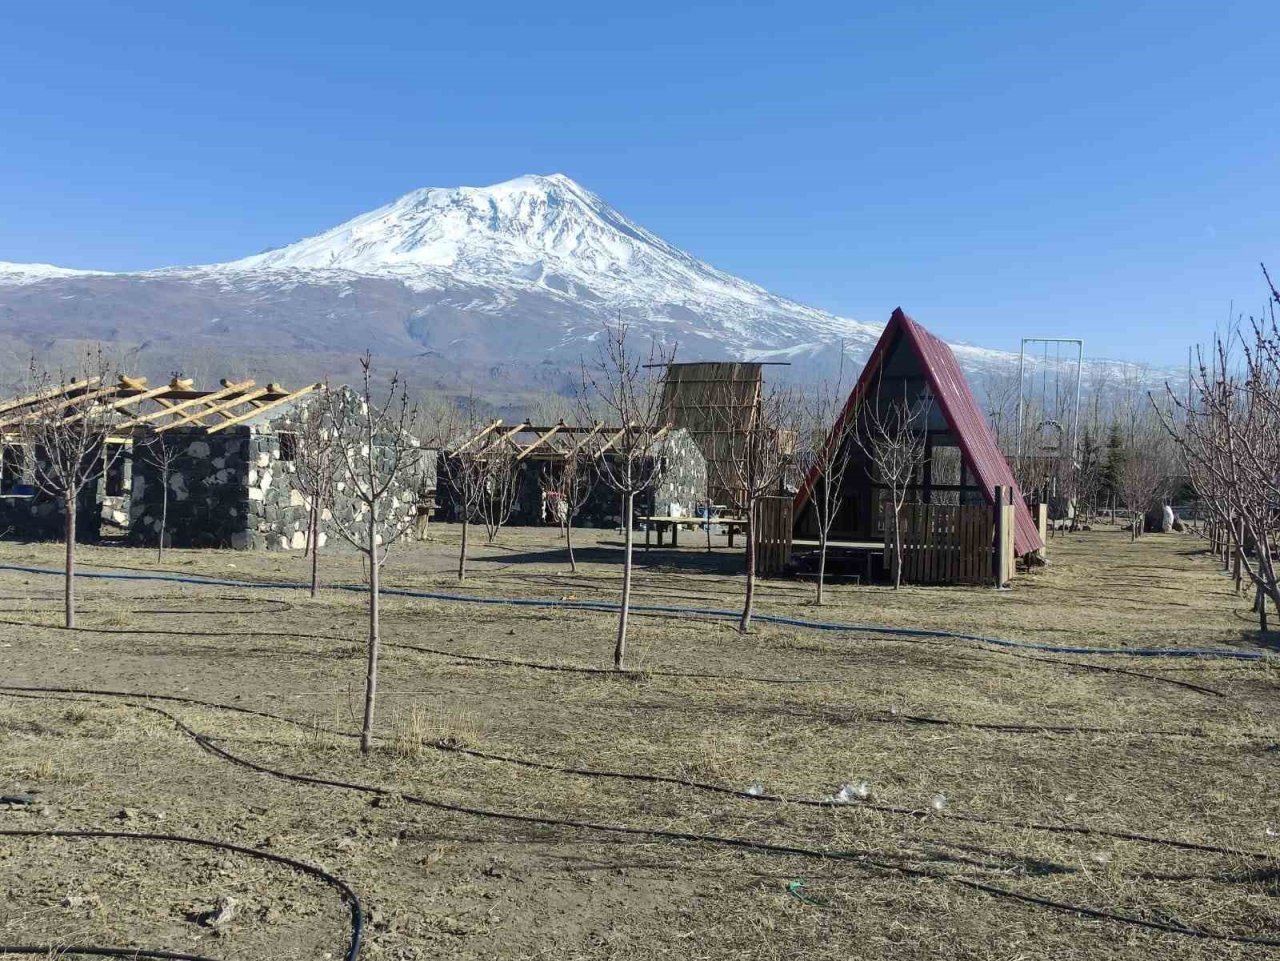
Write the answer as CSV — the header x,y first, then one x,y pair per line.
x,y
773,534
945,544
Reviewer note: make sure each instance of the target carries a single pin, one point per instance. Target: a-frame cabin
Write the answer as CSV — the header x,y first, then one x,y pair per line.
x,y
962,464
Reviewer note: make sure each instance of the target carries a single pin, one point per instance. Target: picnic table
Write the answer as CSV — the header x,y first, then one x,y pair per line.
x,y
666,523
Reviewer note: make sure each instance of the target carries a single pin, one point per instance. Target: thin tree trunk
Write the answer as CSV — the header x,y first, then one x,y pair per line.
x,y
462,554
311,526
707,526
897,547
1237,572
822,560
568,543
69,585
164,516
313,541
620,648
371,671
744,624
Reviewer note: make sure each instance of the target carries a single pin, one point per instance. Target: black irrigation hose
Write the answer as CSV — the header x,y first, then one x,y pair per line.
x,y
37,692
867,805
97,951
344,890
608,672
573,669
761,847
539,666
683,612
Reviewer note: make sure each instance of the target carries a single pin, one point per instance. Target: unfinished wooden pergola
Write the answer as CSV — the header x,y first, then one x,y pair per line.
x,y
131,404
555,444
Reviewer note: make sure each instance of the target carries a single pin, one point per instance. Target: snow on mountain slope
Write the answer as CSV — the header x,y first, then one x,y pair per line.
x,y
35,273
550,234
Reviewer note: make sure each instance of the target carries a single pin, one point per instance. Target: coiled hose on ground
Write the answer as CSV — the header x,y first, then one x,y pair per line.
x,y
49,951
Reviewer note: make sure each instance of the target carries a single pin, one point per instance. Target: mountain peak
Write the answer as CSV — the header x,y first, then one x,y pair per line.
x,y
527,229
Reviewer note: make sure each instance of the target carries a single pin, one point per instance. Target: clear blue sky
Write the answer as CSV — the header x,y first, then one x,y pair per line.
x,y
1108,170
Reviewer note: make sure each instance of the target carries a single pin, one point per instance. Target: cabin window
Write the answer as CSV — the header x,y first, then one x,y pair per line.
x,y
288,446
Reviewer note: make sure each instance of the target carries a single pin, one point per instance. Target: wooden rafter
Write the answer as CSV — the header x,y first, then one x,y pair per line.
x,y
585,440
187,404
53,404
524,425
225,407
129,399
542,439
255,411
47,393
614,439
476,436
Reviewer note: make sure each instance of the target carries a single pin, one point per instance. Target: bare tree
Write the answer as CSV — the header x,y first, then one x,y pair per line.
x,y
482,473
315,441
64,432
892,435
500,474
377,458
760,449
1228,431
626,387
568,485
828,428
463,472
156,451
1147,469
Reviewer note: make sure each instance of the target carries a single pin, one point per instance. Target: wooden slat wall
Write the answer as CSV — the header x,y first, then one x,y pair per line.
x,y
773,534
945,543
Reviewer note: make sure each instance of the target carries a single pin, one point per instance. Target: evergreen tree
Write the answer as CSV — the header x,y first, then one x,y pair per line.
x,y
1114,462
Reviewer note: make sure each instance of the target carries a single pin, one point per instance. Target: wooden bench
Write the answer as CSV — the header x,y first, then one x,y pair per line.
x,y
673,524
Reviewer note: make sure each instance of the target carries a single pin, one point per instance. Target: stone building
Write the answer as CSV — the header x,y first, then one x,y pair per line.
x,y
541,452
238,487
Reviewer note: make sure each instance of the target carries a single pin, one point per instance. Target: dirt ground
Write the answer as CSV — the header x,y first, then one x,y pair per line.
x,y
468,857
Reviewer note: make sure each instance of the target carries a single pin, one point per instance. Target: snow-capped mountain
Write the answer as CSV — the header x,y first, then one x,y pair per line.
x,y
516,279
550,235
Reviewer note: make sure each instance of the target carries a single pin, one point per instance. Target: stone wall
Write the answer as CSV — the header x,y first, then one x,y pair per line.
x,y
285,508
37,517
28,514
681,481
208,489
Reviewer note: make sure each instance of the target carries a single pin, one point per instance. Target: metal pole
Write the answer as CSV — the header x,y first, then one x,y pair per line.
x,y
1022,365
1075,440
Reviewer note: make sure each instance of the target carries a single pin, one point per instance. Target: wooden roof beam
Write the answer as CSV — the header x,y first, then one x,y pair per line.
x,y
583,443
48,393
523,425
120,402
55,405
542,438
477,436
187,404
196,416
607,445
255,411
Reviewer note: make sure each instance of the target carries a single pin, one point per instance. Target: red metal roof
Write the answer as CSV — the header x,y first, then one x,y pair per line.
x,y
963,415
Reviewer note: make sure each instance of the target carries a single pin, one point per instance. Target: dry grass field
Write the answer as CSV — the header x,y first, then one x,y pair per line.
x,y
498,725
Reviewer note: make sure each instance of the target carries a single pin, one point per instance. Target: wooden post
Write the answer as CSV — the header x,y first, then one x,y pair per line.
x,y
1042,523
1002,571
